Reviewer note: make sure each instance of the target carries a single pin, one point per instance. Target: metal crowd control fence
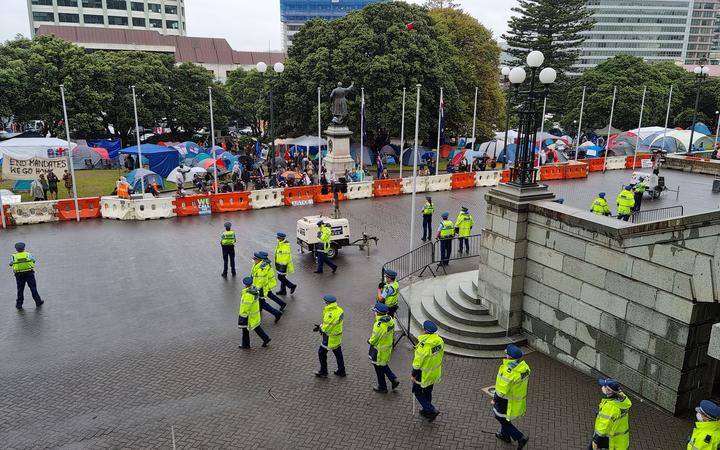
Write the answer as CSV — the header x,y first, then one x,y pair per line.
x,y
651,215
424,258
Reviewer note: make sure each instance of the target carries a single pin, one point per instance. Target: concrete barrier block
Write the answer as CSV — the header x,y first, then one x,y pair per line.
x,y
487,178
363,189
266,198
603,300
437,183
26,213
421,185
116,208
155,208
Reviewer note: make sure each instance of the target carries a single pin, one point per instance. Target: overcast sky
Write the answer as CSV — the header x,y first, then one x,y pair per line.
x,y
246,24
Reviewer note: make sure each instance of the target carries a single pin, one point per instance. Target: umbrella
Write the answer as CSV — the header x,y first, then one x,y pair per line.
x,y
208,163
290,173
173,177
457,158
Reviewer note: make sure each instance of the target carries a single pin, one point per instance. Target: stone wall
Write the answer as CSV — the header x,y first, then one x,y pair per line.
x,y
696,165
634,302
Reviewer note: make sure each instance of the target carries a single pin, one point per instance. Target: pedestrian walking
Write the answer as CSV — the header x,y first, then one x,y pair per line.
x,y
427,368
612,428
381,346
227,243
52,185
36,191
600,205
284,264
322,249
445,234
67,181
249,314
638,193
463,228
625,203
427,213
706,434
509,401
260,275
23,265
389,291
272,283
331,331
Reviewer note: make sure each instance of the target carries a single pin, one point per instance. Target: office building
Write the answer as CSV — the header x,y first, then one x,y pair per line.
x,y
164,16
294,13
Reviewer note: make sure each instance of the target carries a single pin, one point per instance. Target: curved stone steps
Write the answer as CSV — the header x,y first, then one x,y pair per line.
x,y
465,324
465,352
458,301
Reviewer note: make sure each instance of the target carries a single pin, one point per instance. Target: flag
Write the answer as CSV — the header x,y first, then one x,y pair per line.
x,y
442,119
410,26
364,122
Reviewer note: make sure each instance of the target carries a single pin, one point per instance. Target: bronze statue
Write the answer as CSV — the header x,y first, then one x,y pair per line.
x,y
339,104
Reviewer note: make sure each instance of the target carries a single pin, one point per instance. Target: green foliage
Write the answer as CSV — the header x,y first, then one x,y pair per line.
x,y
249,96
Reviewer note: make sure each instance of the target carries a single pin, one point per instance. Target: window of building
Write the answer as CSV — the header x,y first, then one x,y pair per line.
x,y
139,22
43,17
117,4
42,2
137,6
155,23
171,24
115,20
69,18
170,9
67,3
154,7
92,4
93,19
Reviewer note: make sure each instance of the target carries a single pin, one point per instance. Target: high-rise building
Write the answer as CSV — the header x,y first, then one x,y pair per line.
x,y
164,16
294,13
704,33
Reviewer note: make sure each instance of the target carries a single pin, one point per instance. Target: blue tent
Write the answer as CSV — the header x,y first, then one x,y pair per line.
x,y
702,128
408,156
134,179
162,160
368,154
111,145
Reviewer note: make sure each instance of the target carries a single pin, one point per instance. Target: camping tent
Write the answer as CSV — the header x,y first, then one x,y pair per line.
x,y
677,141
113,146
423,152
136,175
512,136
162,160
368,154
493,147
26,148
307,144
85,157
702,128
604,131
645,132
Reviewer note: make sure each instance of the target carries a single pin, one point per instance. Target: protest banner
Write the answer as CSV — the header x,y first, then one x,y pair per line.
x,y
30,169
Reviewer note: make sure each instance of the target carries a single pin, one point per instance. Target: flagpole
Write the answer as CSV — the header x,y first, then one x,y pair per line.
x,y
667,114
440,114
72,168
415,162
137,135
212,139
475,119
637,139
542,122
582,108
362,128
402,134
607,142
319,137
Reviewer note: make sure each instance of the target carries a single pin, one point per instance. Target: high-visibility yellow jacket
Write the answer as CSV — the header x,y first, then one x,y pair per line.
x,y
332,326
263,277
600,207
511,384
625,202
428,209
705,436
640,188
283,257
381,340
612,428
447,229
464,224
428,358
22,261
249,308
390,293
325,236
228,238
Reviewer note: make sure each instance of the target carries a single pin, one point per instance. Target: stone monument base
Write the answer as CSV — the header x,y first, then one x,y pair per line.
x,y
338,158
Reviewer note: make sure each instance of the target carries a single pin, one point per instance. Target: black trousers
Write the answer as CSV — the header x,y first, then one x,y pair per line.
x,y
246,335
23,278
445,250
264,306
508,430
285,283
382,372
228,253
424,397
427,226
466,242
638,201
322,355
271,295
322,258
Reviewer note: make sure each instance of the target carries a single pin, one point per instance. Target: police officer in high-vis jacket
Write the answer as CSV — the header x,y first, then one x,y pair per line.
x,y
706,434
612,427
249,314
264,281
445,234
389,291
23,265
227,242
322,249
427,368
381,346
427,213
463,228
284,264
509,401
331,331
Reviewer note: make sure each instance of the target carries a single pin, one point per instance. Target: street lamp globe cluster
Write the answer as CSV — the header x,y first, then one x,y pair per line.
x,y
279,68
701,72
523,174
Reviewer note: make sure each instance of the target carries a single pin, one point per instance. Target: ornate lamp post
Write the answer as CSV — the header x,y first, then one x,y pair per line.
x,y
523,172
505,71
278,68
701,72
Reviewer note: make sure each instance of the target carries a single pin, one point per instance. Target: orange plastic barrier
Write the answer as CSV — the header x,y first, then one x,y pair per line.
x,y
573,171
230,201
326,198
299,194
463,180
386,188
8,217
505,176
89,208
638,164
188,206
552,173
596,164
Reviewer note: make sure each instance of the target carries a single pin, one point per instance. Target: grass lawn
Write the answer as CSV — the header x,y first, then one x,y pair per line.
x,y
90,183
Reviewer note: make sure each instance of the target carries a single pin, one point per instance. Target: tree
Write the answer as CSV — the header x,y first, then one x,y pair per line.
x,y
555,28
249,96
190,99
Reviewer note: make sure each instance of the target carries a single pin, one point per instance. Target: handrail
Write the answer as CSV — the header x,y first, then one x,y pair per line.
x,y
651,215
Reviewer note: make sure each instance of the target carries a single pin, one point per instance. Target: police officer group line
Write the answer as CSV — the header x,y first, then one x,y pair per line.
x,y
628,201
447,230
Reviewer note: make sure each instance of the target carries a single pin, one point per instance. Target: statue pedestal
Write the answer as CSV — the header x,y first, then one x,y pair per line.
x,y
338,158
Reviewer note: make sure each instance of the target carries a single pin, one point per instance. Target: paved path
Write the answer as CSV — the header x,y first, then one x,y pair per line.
x,y
139,334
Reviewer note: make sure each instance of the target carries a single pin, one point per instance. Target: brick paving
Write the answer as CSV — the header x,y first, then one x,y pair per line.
x,y
139,335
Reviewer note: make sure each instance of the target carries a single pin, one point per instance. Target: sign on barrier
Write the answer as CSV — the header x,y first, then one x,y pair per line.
x,y
362,189
296,196
439,183
33,212
190,205
407,185
266,198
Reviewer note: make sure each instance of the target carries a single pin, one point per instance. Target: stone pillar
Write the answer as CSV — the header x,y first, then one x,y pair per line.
x,y
503,249
338,158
